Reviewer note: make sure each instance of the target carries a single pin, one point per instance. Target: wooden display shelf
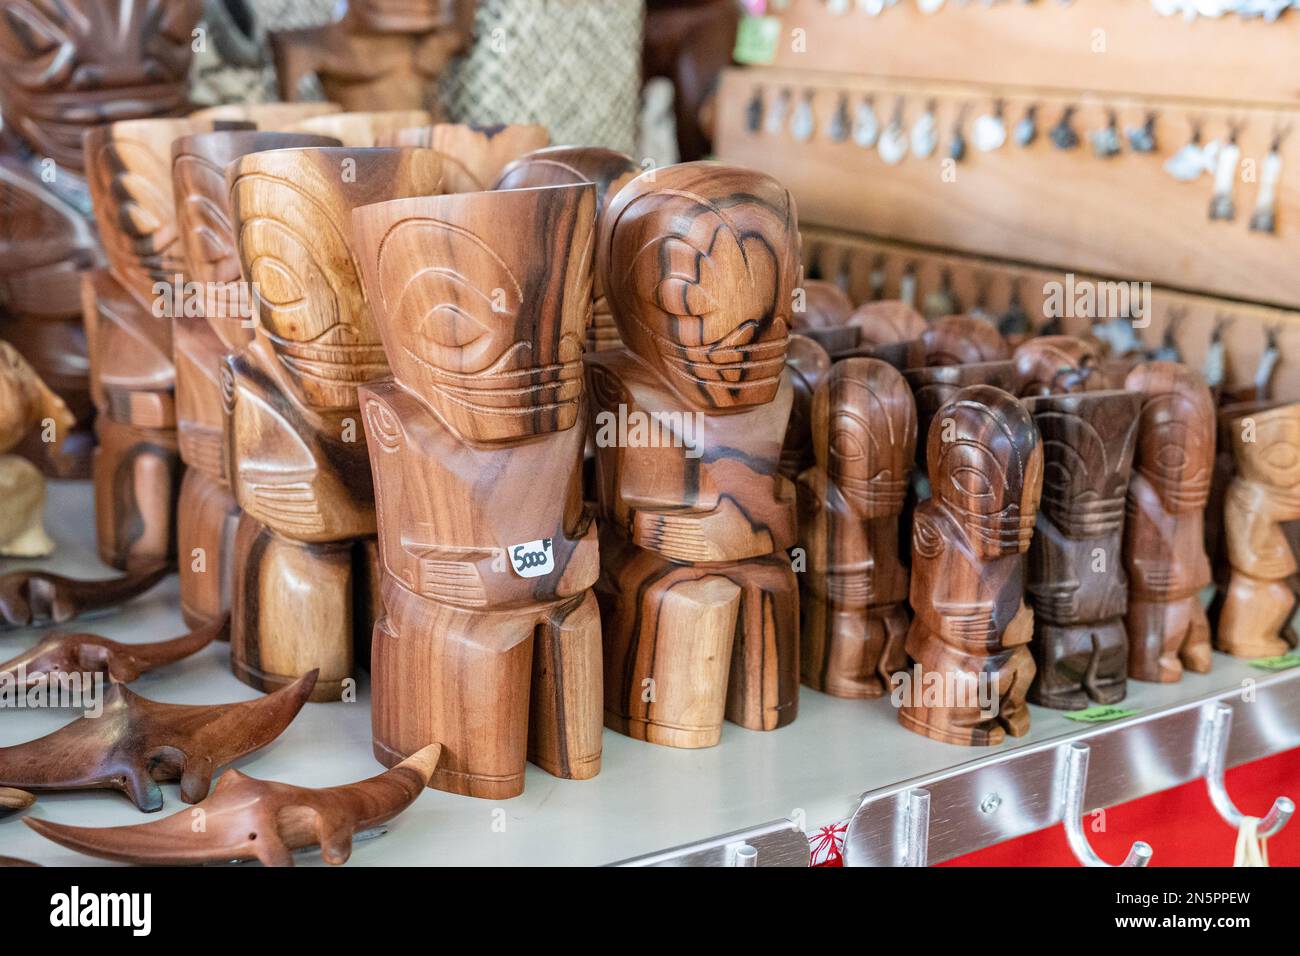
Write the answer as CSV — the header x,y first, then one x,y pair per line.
x,y
1115,46
1125,216
989,284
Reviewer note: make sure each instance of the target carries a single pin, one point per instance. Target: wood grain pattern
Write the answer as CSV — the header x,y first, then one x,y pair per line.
x,y
886,322
807,364
246,819
1263,498
476,447
474,157
92,654
854,593
822,313
271,117
296,445
137,743
363,129
971,623
39,597
958,340
609,171
1057,364
1164,550
1076,581
699,606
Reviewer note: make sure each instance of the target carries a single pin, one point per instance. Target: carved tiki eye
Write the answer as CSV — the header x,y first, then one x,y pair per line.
x,y
972,482
1282,456
846,446
449,326
276,283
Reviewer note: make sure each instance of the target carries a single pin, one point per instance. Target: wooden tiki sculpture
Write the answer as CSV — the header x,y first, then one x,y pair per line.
x,y
610,171
490,640
362,130
474,156
213,317
807,364
304,555
64,68
379,55
933,386
1263,504
1077,584
958,340
970,634
699,603
1057,364
271,117
26,404
822,313
886,322
128,318
854,596
1164,545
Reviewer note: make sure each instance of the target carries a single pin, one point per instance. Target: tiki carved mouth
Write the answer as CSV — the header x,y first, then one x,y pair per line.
x,y
1006,533
736,361
500,388
887,494
1091,518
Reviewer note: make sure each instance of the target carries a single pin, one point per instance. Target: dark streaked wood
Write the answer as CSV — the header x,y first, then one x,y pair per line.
x,y
39,597
363,129
958,340
807,364
1053,364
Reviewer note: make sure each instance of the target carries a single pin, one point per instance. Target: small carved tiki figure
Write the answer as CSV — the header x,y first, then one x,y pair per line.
x,y
65,68
969,638
215,319
854,600
610,171
807,364
304,558
1056,365
1077,583
379,54
1260,515
821,312
886,322
698,601
490,640
137,468
958,340
1164,545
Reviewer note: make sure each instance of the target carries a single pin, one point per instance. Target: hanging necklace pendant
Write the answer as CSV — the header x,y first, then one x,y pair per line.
x,y
1027,129
1142,139
1222,205
775,120
1063,135
866,128
754,111
990,131
924,135
838,130
803,123
1106,142
893,141
1264,218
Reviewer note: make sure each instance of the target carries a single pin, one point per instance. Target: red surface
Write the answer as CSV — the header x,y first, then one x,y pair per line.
x,y
1180,825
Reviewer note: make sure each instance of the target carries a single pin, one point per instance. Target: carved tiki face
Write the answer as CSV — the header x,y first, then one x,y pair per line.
x,y
869,443
959,340
1088,444
1175,448
607,169
482,300
292,212
402,16
128,167
69,65
1056,364
203,208
1273,458
986,466
702,262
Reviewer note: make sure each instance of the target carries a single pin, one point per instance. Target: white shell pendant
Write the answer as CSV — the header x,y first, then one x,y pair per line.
x,y
1225,177
872,8
893,143
838,7
989,132
929,6
866,128
907,288
775,120
803,122
924,136
1263,219
1027,129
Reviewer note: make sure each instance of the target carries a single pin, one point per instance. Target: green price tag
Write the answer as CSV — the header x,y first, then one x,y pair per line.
x,y
756,39
1276,663
1099,714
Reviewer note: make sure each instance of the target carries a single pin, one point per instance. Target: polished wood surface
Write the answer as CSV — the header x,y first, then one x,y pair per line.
x,y
1263,502
970,634
1076,582
886,322
39,597
137,743
12,800
1056,364
958,340
1164,550
699,604
250,819
270,117
854,592
476,447
822,313
363,129
807,364
296,445
474,157
607,169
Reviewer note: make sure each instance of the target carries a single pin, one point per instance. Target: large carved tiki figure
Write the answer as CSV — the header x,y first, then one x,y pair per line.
x,y
1164,545
1077,583
304,561
854,601
137,469
490,643
969,638
1260,522
698,599
65,68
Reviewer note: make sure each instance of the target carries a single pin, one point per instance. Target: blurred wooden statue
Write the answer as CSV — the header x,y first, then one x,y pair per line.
x,y
821,312
490,639
305,561
807,364
473,157
699,603
958,340
854,597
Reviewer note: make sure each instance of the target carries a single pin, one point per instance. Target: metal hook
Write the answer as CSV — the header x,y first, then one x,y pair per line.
x,y
1216,725
741,854
914,828
1076,780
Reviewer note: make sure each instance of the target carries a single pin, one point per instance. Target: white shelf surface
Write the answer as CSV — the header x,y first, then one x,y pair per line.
x,y
647,798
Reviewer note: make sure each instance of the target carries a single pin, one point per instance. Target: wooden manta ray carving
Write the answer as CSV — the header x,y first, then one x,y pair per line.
x,y
12,800
246,818
137,743
90,653
38,597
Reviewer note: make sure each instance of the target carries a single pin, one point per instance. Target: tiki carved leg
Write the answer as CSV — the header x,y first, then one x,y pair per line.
x,y
1195,651
292,611
763,688
564,719
207,517
1254,613
137,474
1077,663
858,651
1165,637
